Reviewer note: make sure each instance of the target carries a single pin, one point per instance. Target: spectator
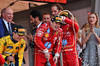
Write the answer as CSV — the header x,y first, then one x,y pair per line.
x,y
56,9
5,22
35,19
46,17
12,49
91,36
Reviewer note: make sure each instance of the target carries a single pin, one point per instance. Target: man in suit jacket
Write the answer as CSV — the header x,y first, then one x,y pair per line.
x,y
7,17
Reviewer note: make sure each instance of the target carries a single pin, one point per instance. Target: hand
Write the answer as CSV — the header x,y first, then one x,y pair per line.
x,y
30,37
91,29
47,56
63,19
10,58
55,59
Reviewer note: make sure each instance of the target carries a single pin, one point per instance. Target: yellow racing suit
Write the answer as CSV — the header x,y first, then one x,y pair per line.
x,y
9,48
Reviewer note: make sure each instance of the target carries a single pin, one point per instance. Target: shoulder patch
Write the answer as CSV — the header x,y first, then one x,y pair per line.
x,y
5,44
21,45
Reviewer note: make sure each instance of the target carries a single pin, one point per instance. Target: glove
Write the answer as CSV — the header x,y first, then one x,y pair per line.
x,y
63,19
46,52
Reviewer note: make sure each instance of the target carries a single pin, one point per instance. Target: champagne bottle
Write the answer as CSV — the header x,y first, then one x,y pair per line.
x,y
48,63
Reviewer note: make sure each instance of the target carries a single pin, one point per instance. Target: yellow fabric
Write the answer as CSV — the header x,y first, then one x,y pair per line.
x,y
18,47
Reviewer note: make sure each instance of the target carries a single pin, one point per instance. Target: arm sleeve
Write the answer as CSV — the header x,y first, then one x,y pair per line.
x,y
2,42
39,35
20,53
2,61
73,23
1,29
59,43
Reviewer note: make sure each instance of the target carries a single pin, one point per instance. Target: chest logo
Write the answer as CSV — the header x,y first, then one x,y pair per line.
x,y
10,47
67,28
48,30
46,35
64,42
48,45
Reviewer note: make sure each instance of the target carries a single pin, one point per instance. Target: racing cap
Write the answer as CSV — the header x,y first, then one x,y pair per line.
x,y
19,30
57,19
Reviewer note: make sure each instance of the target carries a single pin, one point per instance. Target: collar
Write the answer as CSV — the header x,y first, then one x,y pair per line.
x,y
14,40
6,21
39,25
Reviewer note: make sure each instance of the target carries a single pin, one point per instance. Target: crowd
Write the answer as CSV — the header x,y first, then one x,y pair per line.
x,y
57,40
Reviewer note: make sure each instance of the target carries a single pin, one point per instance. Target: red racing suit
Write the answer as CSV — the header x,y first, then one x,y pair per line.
x,y
46,38
69,52
2,61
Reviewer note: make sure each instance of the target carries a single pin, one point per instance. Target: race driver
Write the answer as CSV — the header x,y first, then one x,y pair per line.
x,y
12,49
47,39
70,28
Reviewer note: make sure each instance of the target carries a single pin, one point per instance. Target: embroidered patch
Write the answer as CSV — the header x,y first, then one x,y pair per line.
x,y
46,35
21,45
67,28
64,42
10,47
48,30
56,33
48,45
5,44
17,47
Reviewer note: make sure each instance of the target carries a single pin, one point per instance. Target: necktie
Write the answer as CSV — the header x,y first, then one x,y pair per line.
x,y
9,29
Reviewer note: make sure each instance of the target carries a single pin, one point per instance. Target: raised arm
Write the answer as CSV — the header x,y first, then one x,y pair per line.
x,y
84,37
71,22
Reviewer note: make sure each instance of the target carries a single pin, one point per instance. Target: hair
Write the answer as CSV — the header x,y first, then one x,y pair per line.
x,y
3,10
46,13
83,26
36,14
96,23
59,7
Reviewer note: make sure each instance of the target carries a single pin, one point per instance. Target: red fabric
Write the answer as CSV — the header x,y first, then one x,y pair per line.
x,y
71,22
2,61
80,61
56,1
70,57
44,34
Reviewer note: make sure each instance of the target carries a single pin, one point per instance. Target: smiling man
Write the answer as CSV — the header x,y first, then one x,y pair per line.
x,y
12,49
48,36
5,22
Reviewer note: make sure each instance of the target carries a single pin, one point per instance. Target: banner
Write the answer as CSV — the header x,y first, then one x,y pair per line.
x,y
53,1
